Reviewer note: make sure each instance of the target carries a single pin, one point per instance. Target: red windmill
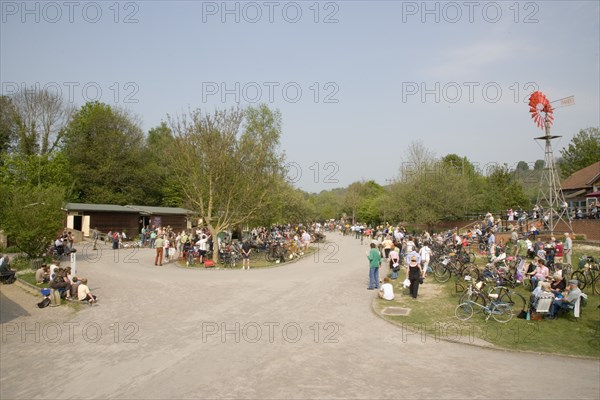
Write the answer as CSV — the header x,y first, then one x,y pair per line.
x,y
540,109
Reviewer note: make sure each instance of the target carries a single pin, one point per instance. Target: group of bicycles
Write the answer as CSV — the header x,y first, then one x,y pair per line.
x,y
492,291
275,250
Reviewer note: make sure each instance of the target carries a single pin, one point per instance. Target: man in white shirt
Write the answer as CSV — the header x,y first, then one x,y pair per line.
x,y
386,291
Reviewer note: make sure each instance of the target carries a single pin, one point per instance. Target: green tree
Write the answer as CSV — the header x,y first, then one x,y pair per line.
x,y
105,149
582,151
32,216
503,191
458,164
164,190
539,165
522,166
229,162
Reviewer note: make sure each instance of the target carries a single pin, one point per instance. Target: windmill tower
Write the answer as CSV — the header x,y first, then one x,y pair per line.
x,y
550,196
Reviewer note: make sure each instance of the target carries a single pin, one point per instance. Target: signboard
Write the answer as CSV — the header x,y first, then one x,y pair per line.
x,y
73,259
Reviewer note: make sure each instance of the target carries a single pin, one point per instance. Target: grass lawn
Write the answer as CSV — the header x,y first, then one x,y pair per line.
x,y
433,313
29,277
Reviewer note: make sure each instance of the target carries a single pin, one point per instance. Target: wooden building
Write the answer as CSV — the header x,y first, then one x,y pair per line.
x,y
130,218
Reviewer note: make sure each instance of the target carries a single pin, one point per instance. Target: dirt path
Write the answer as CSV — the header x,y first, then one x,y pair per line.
x,y
304,330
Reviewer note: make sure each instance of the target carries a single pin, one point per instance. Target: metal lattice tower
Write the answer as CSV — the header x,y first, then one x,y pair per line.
x,y
550,195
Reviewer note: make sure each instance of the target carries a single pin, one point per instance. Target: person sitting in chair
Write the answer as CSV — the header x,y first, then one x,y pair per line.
x,y
6,274
568,301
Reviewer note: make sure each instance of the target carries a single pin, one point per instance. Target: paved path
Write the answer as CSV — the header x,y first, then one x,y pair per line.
x,y
162,337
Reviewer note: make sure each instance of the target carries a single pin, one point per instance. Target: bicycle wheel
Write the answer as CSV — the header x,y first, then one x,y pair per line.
x,y
596,283
474,298
472,258
441,273
514,299
463,311
472,271
271,255
502,312
580,276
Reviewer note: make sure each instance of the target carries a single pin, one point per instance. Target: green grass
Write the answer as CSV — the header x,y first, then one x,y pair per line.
x,y
29,277
433,313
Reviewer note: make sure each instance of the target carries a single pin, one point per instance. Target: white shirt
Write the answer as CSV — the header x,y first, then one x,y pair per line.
x,y
388,291
425,253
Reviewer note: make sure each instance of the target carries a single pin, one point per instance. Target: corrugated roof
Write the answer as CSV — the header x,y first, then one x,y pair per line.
x,y
584,178
148,210
96,207
161,210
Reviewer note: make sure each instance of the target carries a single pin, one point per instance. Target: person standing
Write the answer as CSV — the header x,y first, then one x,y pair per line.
x,y
374,258
115,241
246,250
394,262
425,254
414,273
159,243
95,236
568,248
167,249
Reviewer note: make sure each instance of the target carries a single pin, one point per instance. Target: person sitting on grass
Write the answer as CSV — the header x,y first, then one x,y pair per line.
x,y
61,283
568,300
75,287
42,274
84,293
386,291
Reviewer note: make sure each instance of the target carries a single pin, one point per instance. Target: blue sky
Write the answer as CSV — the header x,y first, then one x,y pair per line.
x,y
356,82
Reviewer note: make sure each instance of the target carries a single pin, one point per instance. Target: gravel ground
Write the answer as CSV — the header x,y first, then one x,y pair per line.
x,y
303,330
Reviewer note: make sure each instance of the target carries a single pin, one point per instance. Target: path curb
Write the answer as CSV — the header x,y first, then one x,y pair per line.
x,y
490,347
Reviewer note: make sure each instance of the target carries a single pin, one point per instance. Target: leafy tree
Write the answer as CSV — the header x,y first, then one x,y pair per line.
x,y
522,166
503,191
582,151
229,162
539,165
105,149
164,190
35,170
458,164
32,216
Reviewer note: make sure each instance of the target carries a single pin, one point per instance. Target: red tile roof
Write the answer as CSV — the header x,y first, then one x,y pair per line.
x,y
584,178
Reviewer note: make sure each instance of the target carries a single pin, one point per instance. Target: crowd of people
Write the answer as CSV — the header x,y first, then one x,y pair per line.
x,y
61,279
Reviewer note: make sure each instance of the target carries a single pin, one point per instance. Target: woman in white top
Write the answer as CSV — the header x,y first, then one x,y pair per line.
x,y
425,254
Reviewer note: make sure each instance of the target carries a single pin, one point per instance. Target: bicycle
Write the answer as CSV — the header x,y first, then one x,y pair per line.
x,y
588,274
444,268
502,293
500,311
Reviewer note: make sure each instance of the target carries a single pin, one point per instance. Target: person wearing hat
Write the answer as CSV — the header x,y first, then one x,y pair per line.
x,y
414,273
568,301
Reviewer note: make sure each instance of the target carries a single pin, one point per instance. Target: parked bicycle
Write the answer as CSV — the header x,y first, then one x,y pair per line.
x,y
588,274
499,310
